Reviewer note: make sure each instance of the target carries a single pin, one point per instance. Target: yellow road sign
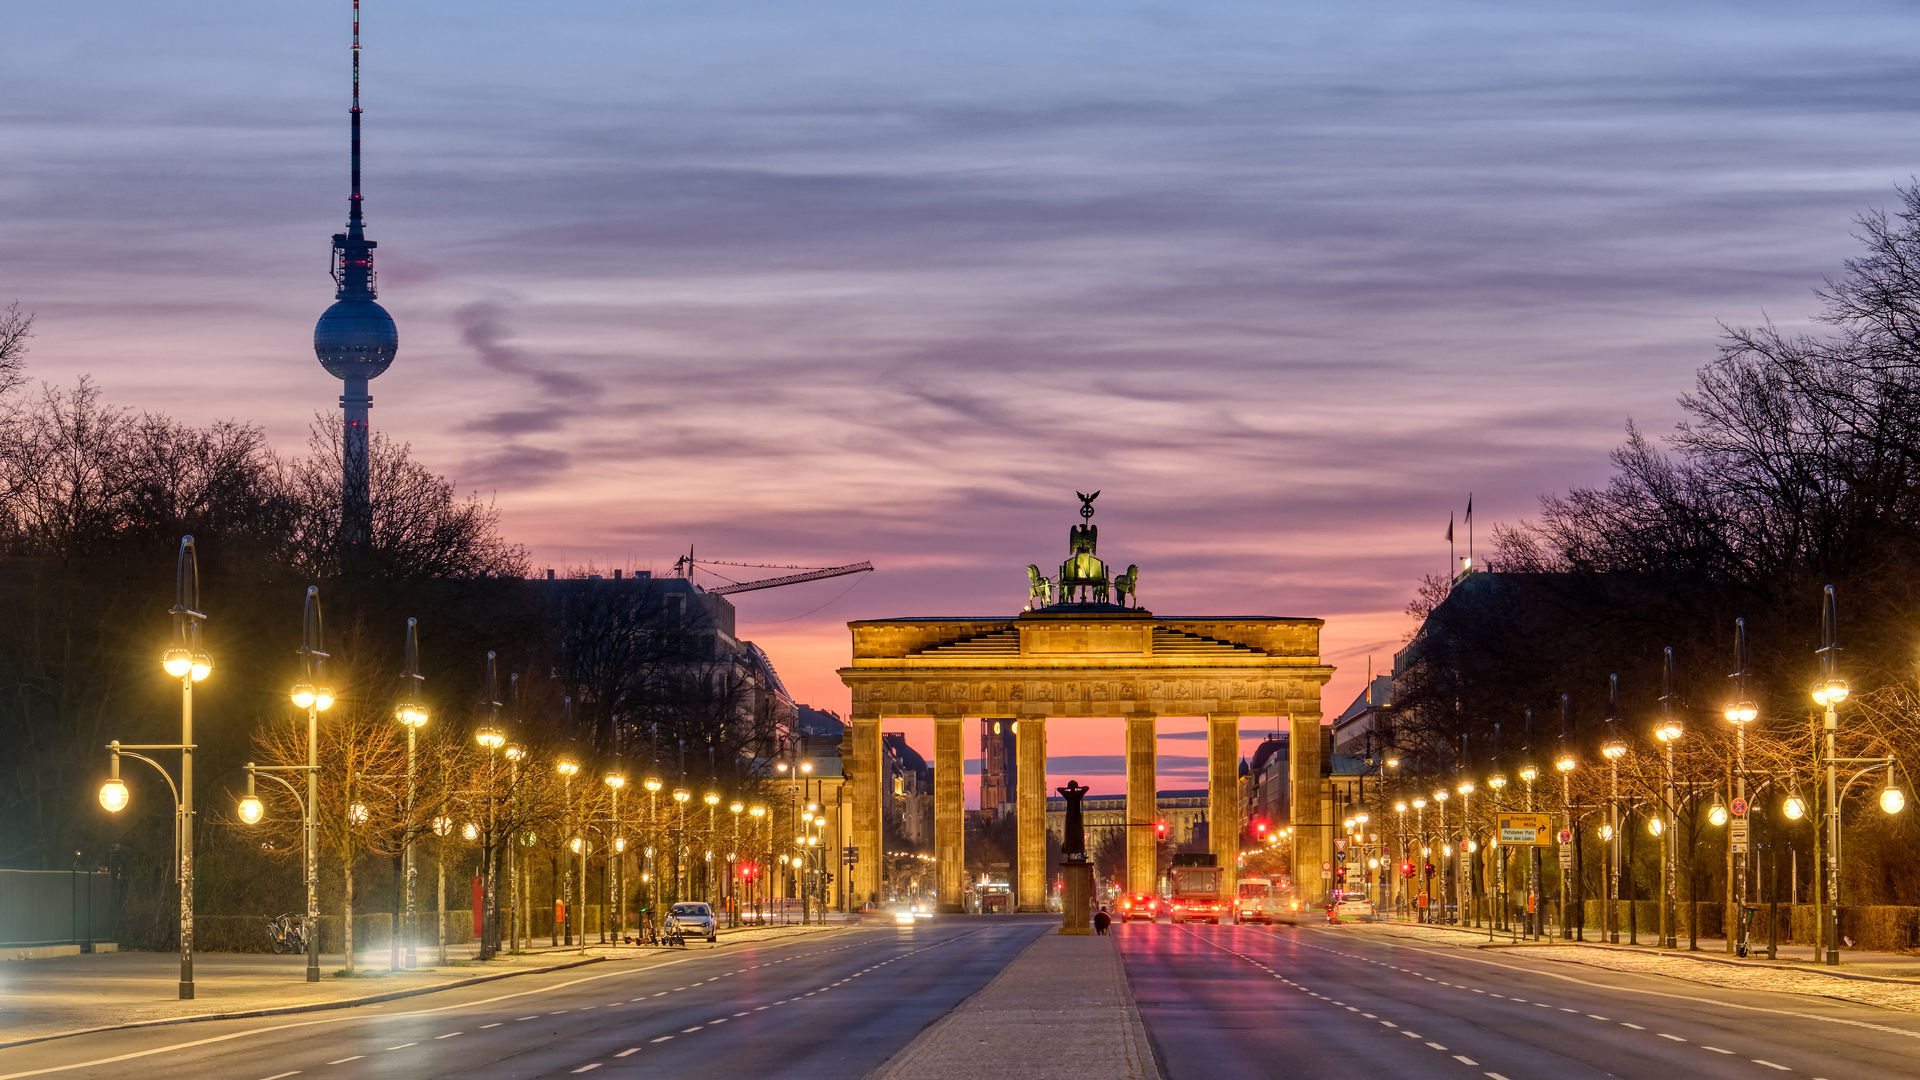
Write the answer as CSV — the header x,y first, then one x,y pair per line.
x,y
1526,830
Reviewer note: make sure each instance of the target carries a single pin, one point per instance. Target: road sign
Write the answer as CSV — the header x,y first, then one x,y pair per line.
x,y
1566,836
1566,856
851,855
1739,808
1339,856
1737,834
1525,830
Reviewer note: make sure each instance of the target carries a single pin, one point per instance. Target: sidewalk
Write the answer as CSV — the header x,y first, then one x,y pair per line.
x,y
1062,1007
40,999
1890,980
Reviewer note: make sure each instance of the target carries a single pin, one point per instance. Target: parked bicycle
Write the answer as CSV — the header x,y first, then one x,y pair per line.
x,y
287,933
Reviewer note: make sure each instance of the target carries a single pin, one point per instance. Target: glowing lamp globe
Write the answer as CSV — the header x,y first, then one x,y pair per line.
x,y
113,795
201,667
252,810
323,698
1655,826
470,831
177,662
1717,815
1893,800
1795,808
303,696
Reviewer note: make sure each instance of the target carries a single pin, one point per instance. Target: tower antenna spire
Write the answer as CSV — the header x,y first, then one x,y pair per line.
x,y
354,219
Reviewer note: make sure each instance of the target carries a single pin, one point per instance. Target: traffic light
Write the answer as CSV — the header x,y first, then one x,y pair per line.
x,y
1406,869
1260,828
1160,830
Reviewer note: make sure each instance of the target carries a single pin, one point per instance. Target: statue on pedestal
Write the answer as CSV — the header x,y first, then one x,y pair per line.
x,y
1073,839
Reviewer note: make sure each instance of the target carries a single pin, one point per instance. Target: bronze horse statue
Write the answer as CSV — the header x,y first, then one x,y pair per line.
x,y
1039,589
1125,586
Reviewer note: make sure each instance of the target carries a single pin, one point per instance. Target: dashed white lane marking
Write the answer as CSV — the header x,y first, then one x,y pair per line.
x,y
1464,1059
1675,1038
663,993
495,1024
1635,1027
402,1046
661,1039
1596,1016
589,1067
448,1035
1389,1023
535,1016
1715,1049
759,1008
278,1076
740,1014
1769,1064
722,1020
1495,1076
691,1030
1436,1046
628,1050
343,1061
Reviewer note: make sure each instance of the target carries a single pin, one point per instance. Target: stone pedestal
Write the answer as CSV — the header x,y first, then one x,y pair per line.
x,y
1076,901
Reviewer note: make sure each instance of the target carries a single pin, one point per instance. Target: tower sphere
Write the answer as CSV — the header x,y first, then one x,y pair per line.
x,y
355,338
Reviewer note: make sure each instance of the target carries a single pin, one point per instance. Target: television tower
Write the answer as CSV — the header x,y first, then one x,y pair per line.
x,y
355,340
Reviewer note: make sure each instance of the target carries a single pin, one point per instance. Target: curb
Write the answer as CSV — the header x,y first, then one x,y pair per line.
x,y
318,1006
1677,954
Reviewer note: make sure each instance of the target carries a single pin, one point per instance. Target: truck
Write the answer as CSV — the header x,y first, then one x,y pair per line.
x,y
1195,889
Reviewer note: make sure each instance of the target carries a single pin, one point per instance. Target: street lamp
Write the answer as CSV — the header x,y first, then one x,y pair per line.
x,y
651,875
186,661
733,863
1829,694
1739,712
412,714
680,797
568,769
757,812
617,854
1613,749
1564,762
1668,731
491,739
712,799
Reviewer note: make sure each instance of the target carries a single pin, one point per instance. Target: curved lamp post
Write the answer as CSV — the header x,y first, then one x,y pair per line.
x,y
1613,749
188,662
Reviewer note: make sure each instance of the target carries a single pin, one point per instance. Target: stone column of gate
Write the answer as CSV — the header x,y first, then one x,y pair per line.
x,y
1030,743
1143,805
862,763
949,812
1223,789
1310,839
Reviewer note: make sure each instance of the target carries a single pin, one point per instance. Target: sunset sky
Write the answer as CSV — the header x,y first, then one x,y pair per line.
x,y
826,282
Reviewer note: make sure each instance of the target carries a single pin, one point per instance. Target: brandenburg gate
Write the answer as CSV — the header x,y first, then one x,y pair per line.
x,y
1076,652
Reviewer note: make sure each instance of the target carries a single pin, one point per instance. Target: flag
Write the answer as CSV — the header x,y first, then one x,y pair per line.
x,y
1469,506
1449,528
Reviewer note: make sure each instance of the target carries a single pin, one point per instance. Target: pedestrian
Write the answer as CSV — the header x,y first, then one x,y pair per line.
x,y
1102,920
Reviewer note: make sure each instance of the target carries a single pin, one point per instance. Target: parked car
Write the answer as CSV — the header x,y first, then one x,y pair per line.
x,y
694,920
1140,906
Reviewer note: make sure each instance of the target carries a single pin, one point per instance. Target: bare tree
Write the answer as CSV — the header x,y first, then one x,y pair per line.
x,y
16,327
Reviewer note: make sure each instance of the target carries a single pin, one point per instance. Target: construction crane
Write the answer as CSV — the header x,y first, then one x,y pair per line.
x,y
686,565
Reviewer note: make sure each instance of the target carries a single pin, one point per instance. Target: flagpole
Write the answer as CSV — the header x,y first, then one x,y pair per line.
x,y
1453,556
1469,528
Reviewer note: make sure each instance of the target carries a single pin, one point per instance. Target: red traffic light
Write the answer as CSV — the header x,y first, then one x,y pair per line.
x,y
1160,829
1406,869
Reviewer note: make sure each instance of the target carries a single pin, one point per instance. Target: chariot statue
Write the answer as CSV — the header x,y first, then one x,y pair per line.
x,y
1083,577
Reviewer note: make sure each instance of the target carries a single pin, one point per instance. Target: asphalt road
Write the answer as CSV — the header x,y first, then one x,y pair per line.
x,y
1245,1001
834,1005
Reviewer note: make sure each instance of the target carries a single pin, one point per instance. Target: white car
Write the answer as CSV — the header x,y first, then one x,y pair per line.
x,y
693,920
1352,906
